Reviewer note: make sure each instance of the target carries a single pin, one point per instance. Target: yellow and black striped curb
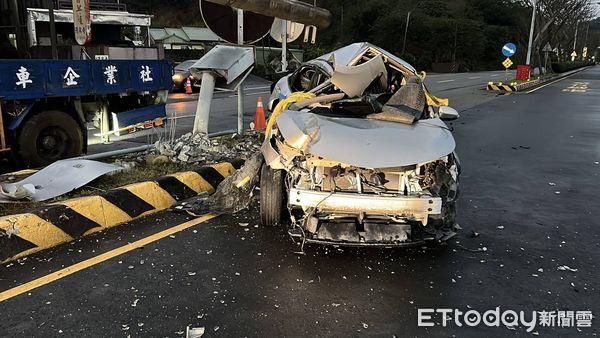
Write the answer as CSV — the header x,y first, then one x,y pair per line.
x,y
498,87
514,87
54,224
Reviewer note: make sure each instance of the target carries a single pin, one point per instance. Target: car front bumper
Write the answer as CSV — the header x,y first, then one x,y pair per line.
x,y
418,208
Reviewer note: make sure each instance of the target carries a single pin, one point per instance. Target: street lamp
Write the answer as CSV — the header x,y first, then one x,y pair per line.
x,y
576,33
406,32
406,28
531,31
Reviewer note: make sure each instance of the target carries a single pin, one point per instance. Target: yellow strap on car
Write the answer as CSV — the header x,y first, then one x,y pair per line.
x,y
435,101
432,100
282,106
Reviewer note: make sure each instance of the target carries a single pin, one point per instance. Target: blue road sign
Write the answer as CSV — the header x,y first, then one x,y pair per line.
x,y
509,49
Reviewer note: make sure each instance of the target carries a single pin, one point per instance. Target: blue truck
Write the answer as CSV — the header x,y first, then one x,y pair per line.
x,y
46,105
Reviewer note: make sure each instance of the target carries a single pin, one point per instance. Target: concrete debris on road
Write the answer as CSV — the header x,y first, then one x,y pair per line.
x,y
195,332
566,268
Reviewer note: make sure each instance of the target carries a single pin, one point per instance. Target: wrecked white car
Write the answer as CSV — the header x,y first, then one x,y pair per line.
x,y
360,155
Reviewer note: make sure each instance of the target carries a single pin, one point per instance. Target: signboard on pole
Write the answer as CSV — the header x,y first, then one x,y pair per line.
x,y
82,21
509,49
547,48
585,52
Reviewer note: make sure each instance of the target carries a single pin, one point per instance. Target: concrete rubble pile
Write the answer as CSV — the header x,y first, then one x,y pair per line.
x,y
198,148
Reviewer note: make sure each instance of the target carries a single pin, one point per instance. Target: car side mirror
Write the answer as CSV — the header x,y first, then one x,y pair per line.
x,y
448,114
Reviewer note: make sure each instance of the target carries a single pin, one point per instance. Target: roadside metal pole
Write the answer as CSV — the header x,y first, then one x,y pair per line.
x,y
148,37
16,13
207,88
531,31
284,37
52,29
576,33
587,31
406,32
104,124
240,91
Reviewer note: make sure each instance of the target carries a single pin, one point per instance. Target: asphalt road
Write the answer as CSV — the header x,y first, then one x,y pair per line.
x,y
464,89
528,196
445,82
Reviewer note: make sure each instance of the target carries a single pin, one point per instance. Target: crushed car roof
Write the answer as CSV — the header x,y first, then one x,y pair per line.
x,y
345,55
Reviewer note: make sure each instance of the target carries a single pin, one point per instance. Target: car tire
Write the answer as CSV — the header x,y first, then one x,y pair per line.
x,y
271,196
49,136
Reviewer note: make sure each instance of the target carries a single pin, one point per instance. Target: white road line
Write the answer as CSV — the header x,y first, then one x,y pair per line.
x,y
475,77
444,81
494,75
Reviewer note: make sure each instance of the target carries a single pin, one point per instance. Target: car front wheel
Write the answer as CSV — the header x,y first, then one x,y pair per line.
x,y
271,196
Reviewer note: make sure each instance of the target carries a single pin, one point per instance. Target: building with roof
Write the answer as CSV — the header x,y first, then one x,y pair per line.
x,y
116,32
184,37
187,43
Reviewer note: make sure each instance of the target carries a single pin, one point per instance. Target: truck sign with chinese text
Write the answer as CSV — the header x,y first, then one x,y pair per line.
x,y
45,105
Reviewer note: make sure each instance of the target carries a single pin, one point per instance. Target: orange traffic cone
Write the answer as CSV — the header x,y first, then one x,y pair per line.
x,y
260,122
188,86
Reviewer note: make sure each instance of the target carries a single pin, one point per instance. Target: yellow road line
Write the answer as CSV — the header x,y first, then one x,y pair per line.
x,y
100,258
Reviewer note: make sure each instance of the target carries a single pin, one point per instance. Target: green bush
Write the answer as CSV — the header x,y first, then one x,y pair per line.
x,y
562,67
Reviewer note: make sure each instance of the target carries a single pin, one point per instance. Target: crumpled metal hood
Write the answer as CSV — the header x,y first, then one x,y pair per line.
x,y
366,143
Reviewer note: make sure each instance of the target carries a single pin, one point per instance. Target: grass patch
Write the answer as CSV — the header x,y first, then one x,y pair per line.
x,y
141,173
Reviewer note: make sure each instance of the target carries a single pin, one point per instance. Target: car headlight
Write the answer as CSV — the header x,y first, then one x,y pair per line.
x,y
177,77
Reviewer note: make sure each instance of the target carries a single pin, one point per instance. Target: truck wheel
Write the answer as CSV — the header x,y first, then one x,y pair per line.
x,y
271,196
49,136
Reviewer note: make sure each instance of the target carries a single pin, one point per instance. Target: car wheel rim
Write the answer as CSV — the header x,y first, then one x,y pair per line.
x,y
52,143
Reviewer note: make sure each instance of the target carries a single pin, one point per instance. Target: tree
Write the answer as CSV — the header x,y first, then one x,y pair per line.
x,y
557,19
